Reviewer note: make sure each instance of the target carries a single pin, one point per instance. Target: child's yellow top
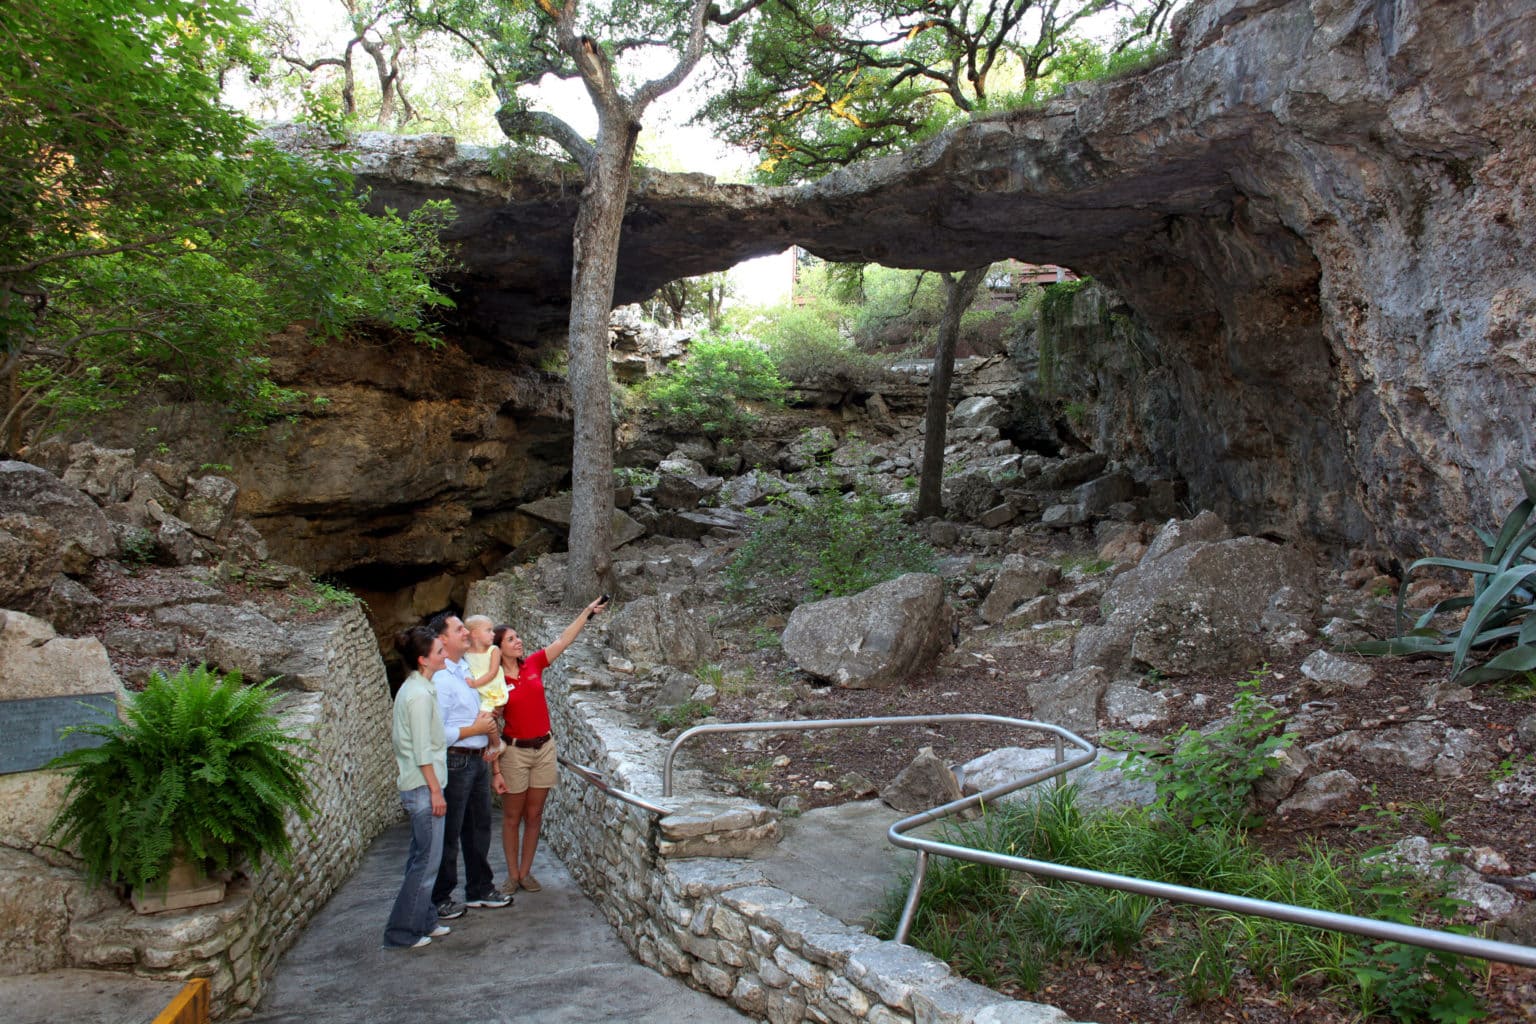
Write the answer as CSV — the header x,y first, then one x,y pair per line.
x,y
494,693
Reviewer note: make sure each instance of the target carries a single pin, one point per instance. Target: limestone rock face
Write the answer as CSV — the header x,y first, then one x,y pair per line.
x,y
36,662
873,639
661,630
1317,209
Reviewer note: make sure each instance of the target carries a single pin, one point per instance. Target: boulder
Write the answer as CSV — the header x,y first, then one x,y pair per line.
x,y
1194,607
809,448
875,638
36,662
1097,495
1018,579
106,474
1070,700
86,534
209,506
1206,526
30,551
1073,470
1447,753
661,630
556,509
684,491
1334,674
1127,704
978,411
970,494
751,489
926,782
1102,784
1331,791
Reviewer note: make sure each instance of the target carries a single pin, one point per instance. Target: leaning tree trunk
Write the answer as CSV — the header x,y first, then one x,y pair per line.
x,y
958,296
596,252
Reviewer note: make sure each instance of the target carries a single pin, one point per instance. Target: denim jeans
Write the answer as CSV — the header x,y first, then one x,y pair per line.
x,y
415,913
467,826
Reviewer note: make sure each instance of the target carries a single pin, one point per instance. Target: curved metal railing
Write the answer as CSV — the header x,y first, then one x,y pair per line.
x,y
1428,938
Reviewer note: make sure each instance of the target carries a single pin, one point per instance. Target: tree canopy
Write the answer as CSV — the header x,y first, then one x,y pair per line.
x,y
151,240
827,82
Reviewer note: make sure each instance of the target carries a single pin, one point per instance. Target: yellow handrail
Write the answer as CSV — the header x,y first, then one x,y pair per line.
x,y
191,1005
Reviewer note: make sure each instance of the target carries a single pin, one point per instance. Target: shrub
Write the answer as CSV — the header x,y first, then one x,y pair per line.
x,y
808,350
1500,608
198,766
1206,778
833,547
704,393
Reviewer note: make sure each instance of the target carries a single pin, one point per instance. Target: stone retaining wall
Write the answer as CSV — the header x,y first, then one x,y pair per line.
x,y
718,922
51,919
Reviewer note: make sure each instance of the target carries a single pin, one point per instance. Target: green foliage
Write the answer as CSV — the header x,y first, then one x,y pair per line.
x,y
975,914
199,765
138,546
681,716
1206,777
704,392
150,243
832,547
637,477
324,595
1501,609
808,349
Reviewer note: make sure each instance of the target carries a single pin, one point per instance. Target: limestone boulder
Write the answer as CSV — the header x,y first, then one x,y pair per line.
x,y
979,411
209,506
873,639
106,474
807,449
36,662
1070,700
1102,784
1194,607
30,552
661,630
556,509
85,533
1019,579
926,782
1337,790
970,494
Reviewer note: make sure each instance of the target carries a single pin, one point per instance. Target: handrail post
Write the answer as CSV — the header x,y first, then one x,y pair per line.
x,y
909,911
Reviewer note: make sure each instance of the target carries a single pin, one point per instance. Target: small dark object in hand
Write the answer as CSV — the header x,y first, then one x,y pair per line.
x,y
605,599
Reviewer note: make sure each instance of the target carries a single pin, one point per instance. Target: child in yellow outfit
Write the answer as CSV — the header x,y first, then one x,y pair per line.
x,y
484,659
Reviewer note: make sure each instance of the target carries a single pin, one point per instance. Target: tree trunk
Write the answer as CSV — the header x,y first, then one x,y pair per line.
x,y
958,296
596,250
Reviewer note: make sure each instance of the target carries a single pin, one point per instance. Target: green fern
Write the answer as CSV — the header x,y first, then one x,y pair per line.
x,y
198,764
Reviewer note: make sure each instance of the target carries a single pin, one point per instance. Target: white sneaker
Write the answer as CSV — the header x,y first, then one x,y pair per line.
x,y
425,940
440,931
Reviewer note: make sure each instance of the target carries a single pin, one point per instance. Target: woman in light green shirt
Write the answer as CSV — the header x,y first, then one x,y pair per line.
x,y
421,756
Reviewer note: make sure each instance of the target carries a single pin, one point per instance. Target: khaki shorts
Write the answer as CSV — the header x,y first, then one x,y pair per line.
x,y
523,768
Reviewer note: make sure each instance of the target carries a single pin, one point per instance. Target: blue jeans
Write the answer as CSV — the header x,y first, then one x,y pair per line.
x,y
467,826
415,914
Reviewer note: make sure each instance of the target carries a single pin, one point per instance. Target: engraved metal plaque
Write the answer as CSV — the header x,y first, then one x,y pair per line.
x,y
29,729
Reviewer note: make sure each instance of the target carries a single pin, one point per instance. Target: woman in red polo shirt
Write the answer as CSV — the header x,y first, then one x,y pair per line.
x,y
525,771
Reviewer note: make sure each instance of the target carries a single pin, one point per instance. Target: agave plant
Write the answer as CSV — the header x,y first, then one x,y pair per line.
x,y
198,767
1500,608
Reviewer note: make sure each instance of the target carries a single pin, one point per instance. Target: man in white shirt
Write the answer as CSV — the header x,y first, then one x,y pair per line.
x,y
468,789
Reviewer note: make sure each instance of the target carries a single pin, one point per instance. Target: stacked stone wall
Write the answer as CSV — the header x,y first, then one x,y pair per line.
x,y
718,922
340,704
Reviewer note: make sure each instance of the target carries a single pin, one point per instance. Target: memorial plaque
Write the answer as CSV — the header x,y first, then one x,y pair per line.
x,y
29,729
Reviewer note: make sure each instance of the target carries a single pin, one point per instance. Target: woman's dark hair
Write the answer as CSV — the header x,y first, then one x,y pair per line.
x,y
415,644
499,634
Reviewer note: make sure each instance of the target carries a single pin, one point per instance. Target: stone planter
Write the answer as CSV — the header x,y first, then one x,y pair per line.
x,y
184,886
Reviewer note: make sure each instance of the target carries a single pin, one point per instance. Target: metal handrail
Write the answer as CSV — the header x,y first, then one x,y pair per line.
x,y
1428,938
1413,935
597,782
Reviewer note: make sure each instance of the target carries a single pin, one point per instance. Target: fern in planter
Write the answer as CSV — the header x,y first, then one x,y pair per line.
x,y
199,767
1501,608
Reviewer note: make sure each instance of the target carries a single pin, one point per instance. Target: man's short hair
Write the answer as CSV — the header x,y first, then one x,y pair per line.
x,y
438,623
479,620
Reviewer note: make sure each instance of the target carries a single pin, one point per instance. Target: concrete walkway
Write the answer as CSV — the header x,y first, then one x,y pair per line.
x,y
551,957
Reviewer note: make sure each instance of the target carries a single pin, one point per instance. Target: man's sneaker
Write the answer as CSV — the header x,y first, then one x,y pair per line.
x,y
494,898
440,931
448,910
530,883
425,940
